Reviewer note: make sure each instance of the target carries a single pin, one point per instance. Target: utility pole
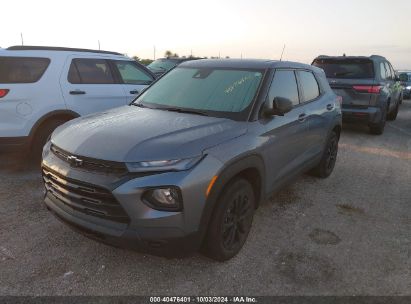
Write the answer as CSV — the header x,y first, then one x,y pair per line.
x,y
154,47
21,36
98,44
282,53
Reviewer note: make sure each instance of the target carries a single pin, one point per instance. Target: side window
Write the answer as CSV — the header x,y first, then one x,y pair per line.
x,y
383,71
389,73
90,71
22,69
392,71
284,85
309,86
131,74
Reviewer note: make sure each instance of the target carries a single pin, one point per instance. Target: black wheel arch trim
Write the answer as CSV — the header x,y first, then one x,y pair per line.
x,y
47,116
229,171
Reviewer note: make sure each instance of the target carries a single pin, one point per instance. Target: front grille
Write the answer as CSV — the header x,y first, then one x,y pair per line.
x,y
83,197
90,164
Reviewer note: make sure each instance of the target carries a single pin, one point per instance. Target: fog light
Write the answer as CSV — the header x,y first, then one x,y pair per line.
x,y
165,198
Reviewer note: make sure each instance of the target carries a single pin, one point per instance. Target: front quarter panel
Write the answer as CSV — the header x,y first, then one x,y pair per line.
x,y
193,184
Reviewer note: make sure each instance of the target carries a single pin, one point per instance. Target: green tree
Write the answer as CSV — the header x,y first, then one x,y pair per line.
x,y
146,61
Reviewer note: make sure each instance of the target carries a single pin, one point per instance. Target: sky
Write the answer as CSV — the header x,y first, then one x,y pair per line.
x,y
235,28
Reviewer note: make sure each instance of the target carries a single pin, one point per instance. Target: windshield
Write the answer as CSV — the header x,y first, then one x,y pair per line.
x,y
162,64
218,92
346,68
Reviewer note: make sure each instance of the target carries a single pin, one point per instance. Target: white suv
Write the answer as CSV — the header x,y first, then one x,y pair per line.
x,y
43,87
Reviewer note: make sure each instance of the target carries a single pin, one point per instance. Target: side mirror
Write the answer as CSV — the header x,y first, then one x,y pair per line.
x,y
281,106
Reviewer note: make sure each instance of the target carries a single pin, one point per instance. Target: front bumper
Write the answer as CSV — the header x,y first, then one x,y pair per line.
x,y
12,144
162,241
144,229
366,115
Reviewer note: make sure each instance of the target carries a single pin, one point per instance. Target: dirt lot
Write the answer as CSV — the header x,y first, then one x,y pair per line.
x,y
347,235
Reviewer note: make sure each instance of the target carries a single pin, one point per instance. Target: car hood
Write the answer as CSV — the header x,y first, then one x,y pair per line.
x,y
132,134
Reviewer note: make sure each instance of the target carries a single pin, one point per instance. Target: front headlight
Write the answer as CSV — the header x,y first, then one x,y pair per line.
x,y
164,165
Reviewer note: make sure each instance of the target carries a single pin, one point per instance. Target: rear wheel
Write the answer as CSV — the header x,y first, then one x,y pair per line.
x,y
231,221
329,158
378,128
42,135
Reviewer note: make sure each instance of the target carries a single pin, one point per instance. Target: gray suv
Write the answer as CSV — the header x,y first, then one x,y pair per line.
x,y
187,163
370,89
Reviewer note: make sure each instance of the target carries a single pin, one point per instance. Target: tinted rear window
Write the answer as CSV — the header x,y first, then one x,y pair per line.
x,y
22,69
346,68
309,85
90,71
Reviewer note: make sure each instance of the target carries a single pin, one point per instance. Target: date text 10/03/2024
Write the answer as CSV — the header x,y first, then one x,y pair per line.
x,y
239,299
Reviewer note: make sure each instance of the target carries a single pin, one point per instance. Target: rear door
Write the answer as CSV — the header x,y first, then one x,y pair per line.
x,y
89,85
390,83
133,76
396,88
317,108
351,78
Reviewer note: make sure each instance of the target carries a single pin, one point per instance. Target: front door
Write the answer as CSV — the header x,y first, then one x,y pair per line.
x,y
284,136
133,77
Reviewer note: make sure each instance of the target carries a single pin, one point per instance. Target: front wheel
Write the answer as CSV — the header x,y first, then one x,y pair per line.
x,y
329,158
393,114
231,221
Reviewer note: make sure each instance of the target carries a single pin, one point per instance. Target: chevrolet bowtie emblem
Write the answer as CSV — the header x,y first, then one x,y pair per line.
x,y
74,161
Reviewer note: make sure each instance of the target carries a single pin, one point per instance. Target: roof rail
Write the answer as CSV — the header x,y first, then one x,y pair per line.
x,y
56,48
377,56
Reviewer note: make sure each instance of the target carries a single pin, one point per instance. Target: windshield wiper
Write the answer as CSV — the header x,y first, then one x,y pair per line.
x,y
180,110
140,105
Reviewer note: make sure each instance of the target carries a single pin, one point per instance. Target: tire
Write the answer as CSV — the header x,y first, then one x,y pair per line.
x,y
231,221
393,114
329,158
378,128
41,137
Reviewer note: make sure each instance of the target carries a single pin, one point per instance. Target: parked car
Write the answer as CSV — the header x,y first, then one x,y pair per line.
x,y
405,78
191,158
370,90
43,87
163,65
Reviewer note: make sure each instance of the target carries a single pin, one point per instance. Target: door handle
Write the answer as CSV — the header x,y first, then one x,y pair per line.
x,y
77,92
302,117
134,92
330,107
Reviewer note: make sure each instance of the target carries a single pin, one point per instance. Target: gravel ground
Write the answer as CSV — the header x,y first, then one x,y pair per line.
x,y
346,235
